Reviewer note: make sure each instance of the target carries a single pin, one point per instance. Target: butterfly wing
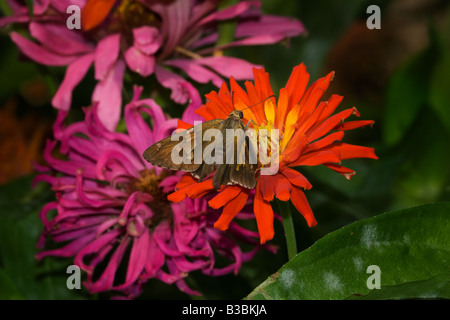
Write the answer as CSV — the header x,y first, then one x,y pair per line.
x,y
240,170
243,170
160,154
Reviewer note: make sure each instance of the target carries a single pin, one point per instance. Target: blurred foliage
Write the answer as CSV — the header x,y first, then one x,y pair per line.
x,y
398,76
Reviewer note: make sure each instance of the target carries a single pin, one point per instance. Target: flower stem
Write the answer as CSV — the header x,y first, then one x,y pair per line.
x,y
288,225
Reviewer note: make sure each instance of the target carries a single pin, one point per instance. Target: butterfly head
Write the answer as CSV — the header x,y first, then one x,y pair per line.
x,y
238,114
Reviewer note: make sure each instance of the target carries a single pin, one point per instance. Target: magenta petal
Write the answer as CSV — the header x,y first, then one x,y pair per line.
x,y
230,67
263,30
155,258
168,184
256,40
40,6
140,62
106,280
139,131
115,157
44,211
163,235
20,11
14,19
94,247
175,16
39,53
147,39
59,125
231,12
270,25
166,129
108,93
59,39
189,114
181,284
173,82
123,217
71,249
61,5
138,257
195,71
106,54
74,74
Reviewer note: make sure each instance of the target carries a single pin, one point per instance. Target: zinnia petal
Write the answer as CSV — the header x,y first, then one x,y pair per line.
x,y
39,53
139,61
108,93
74,74
106,54
300,202
94,12
231,209
264,215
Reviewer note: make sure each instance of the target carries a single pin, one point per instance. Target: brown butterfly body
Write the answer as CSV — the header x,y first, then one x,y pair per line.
x,y
226,173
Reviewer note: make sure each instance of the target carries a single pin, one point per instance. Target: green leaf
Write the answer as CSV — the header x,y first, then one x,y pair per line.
x,y
411,247
435,287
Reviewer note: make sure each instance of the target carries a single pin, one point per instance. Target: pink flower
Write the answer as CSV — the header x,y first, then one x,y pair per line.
x,y
111,208
146,37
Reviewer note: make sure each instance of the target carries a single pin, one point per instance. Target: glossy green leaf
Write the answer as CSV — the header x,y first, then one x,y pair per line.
x,y
410,247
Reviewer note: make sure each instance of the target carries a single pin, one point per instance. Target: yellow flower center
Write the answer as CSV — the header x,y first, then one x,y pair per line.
x,y
134,14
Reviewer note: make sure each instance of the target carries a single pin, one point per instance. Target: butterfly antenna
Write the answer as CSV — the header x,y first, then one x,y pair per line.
x,y
269,97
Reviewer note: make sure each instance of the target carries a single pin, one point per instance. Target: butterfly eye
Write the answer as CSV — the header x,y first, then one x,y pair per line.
x,y
241,114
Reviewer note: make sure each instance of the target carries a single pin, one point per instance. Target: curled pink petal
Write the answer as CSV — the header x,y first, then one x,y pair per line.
x,y
173,82
147,39
140,62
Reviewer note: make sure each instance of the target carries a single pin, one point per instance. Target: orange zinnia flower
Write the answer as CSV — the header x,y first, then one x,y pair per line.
x,y
309,135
